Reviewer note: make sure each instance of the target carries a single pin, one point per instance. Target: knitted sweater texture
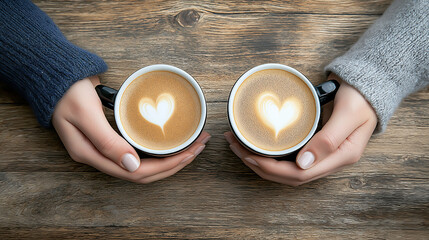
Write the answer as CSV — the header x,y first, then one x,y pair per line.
x,y
37,60
391,60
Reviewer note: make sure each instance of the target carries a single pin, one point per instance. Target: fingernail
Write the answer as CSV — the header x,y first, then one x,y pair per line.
x,y
306,160
236,151
251,160
187,158
228,137
130,162
199,150
205,140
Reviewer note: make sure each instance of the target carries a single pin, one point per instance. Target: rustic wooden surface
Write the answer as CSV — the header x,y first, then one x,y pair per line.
x,y
44,194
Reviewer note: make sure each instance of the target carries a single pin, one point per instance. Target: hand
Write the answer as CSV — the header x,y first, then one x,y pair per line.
x,y
88,137
339,143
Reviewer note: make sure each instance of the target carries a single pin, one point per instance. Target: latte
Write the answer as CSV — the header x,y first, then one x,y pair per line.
x,y
160,110
274,109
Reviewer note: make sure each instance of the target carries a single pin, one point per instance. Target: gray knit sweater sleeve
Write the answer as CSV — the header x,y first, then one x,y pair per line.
x,y
391,59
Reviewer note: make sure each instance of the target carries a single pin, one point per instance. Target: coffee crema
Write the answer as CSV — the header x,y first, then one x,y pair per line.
x,y
160,110
274,109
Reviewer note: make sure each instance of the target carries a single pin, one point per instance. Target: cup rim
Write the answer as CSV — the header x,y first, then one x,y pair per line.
x,y
237,132
185,75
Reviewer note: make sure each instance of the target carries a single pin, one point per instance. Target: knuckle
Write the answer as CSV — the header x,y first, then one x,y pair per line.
x,y
295,184
77,156
271,169
171,162
264,176
301,178
80,107
355,157
134,178
77,108
144,181
328,141
355,160
267,170
107,143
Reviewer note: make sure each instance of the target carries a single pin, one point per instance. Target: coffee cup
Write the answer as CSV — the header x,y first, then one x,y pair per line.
x,y
160,109
274,110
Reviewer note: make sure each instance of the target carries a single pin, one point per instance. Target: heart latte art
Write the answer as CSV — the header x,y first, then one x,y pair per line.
x,y
276,115
274,109
158,112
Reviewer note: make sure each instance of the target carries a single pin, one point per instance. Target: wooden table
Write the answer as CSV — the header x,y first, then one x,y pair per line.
x,y
43,193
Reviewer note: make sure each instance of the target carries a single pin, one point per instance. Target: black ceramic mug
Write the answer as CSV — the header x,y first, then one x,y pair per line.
x,y
111,98
321,94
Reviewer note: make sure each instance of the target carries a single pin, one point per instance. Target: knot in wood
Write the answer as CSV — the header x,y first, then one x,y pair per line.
x,y
356,183
187,18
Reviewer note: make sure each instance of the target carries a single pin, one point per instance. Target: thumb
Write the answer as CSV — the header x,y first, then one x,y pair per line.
x,y
90,119
98,130
340,125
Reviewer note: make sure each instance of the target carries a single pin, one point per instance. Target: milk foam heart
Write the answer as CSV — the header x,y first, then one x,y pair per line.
x,y
157,113
274,114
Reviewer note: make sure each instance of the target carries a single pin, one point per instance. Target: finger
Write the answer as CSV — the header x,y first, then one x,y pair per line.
x,y
235,146
168,173
348,153
352,150
246,156
249,160
193,152
90,119
204,137
82,150
343,121
229,137
268,177
268,168
72,139
240,151
288,172
152,166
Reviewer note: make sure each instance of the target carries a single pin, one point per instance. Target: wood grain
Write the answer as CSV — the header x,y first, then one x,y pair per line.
x,y
44,194
217,46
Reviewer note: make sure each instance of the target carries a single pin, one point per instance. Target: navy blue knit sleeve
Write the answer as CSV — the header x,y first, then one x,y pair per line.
x,y
37,60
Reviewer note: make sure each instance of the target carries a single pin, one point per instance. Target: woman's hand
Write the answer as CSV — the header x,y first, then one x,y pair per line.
x,y
339,143
88,137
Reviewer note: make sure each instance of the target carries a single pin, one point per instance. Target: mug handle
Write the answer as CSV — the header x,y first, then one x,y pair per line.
x,y
107,95
326,91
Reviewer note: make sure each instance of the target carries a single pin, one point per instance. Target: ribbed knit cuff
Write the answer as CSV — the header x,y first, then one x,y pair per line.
x,y
390,60
37,60
363,76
